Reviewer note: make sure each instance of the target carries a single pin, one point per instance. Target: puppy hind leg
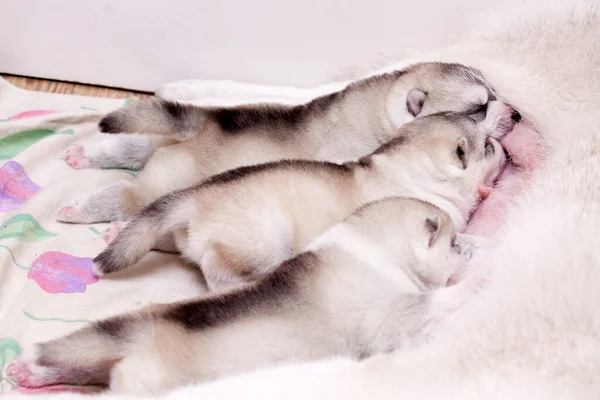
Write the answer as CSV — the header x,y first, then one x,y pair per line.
x,y
81,358
166,360
166,244
25,372
239,245
115,202
125,377
226,265
220,274
111,233
114,151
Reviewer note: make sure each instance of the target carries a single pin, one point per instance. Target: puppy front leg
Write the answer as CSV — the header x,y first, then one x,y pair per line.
x,y
468,245
442,303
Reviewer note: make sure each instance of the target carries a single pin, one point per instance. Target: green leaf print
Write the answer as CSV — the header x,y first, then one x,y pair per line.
x,y
24,227
12,145
94,230
88,108
9,350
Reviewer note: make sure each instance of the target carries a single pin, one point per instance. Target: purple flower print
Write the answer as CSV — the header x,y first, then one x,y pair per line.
x,y
15,186
57,272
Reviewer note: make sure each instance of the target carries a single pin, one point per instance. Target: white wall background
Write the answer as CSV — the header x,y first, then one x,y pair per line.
x,y
141,44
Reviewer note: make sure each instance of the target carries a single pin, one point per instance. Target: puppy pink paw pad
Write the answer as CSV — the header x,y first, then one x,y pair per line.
x,y
75,157
68,214
111,233
18,372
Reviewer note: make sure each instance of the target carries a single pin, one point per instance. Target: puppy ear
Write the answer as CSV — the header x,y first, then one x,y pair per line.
x,y
414,101
433,226
499,119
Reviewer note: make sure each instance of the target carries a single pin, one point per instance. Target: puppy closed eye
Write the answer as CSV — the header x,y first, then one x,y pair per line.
x,y
490,150
462,151
478,113
433,227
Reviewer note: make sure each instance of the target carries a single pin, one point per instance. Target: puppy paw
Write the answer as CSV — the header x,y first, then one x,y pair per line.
x,y
76,158
28,374
111,233
449,299
70,214
97,269
468,245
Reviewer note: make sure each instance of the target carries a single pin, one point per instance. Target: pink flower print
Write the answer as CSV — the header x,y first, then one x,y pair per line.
x,y
30,114
57,272
15,186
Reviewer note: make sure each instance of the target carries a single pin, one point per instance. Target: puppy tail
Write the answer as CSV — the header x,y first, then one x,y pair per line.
x,y
144,230
157,116
87,355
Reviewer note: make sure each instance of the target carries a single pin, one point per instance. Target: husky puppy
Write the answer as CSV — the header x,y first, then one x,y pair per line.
x,y
364,287
239,225
340,126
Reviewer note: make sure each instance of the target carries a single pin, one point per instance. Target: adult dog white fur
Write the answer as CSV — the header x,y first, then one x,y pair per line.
x,y
533,329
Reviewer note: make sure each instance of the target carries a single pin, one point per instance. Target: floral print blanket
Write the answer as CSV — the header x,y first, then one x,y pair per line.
x,y
47,288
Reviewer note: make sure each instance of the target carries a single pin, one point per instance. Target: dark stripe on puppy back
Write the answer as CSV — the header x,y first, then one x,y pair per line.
x,y
270,293
242,172
276,118
273,117
411,129
113,327
280,117
395,142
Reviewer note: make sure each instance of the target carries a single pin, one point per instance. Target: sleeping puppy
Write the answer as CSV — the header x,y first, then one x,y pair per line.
x,y
338,127
239,225
366,286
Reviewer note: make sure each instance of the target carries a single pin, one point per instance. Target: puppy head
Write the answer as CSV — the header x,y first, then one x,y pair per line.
x,y
431,88
448,156
417,235
429,233
461,149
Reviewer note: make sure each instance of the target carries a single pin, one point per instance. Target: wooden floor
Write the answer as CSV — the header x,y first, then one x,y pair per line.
x,y
43,85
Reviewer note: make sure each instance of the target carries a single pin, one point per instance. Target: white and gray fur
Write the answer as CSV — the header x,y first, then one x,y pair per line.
x,y
337,127
239,225
367,286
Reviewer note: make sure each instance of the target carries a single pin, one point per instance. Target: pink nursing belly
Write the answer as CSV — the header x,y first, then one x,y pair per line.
x,y
527,153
